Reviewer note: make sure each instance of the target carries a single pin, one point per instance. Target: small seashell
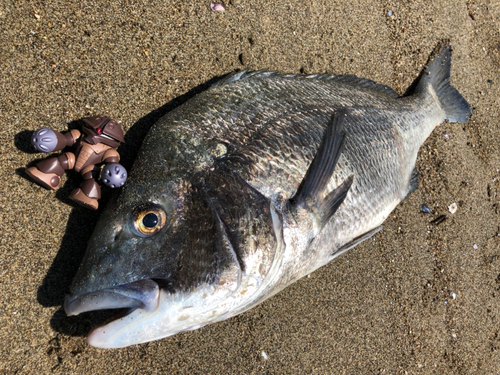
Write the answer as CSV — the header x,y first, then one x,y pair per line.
x,y
446,135
452,208
217,7
424,209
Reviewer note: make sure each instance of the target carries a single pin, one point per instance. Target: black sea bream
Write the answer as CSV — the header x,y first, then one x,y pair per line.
x,y
249,186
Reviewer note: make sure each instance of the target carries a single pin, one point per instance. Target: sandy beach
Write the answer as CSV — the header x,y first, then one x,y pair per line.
x,y
420,297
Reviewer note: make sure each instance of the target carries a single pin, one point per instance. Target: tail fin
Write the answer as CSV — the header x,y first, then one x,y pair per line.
x,y
437,74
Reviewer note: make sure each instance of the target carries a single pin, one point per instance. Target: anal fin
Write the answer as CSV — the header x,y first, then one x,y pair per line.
x,y
356,241
413,185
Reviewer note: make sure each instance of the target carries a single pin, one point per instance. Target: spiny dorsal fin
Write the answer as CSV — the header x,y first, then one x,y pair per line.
x,y
349,79
243,74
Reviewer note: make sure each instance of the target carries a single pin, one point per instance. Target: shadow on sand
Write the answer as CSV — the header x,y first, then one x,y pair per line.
x,y
82,221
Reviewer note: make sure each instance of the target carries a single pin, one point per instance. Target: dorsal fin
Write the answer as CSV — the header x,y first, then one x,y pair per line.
x,y
243,74
366,84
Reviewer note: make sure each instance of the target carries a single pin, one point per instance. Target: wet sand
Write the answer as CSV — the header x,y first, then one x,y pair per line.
x,y
418,298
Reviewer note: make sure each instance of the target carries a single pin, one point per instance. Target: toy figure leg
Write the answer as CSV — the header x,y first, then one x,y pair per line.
x,y
48,172
89,192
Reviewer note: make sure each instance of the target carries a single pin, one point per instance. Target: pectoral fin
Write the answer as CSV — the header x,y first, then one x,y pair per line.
x,y
333,200
311,190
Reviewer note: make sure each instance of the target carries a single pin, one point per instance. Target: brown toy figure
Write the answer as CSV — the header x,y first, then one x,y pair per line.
x,y
97,145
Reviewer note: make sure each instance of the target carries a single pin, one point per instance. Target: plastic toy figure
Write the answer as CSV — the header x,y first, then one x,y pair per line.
x,y
97,145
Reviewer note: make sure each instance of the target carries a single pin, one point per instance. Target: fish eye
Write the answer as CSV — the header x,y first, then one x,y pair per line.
x,y
148,219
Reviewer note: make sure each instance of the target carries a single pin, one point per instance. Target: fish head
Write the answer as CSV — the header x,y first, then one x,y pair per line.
x,y
164,253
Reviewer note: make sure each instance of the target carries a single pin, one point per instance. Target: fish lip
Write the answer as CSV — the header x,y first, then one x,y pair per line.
x,y
142,294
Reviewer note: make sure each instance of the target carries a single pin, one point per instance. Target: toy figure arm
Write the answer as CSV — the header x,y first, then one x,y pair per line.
x,y
114,175
48,140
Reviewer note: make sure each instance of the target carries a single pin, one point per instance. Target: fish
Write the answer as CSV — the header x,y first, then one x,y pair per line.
x,y
249,186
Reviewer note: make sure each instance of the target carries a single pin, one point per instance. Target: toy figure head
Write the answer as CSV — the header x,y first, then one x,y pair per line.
x,y
102,129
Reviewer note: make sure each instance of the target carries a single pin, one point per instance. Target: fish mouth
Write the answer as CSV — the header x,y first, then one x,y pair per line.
x,y
142,294
150,310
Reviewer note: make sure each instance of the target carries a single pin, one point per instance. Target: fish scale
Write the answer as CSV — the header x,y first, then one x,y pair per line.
x,y
254,183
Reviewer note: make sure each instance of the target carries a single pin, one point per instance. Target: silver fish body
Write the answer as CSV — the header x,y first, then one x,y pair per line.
x,y
249,186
